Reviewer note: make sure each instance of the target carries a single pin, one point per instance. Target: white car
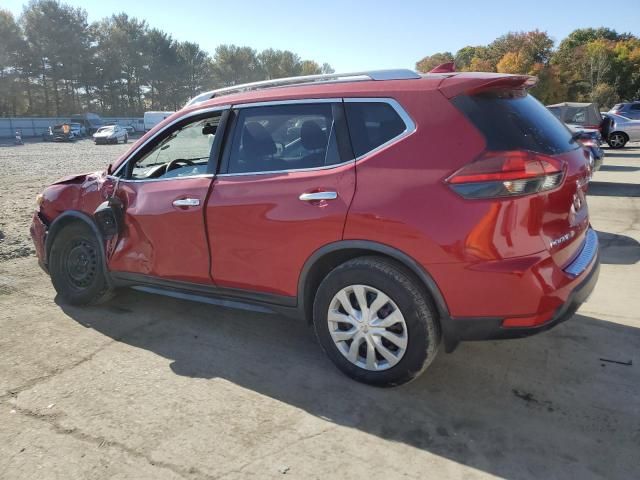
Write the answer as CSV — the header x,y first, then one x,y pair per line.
x,y
151,119
622,130
111,134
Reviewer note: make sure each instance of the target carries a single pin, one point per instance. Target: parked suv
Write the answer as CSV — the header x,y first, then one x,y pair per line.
x,y
393,211
630,110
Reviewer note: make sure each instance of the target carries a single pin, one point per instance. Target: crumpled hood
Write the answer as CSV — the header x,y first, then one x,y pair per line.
x,y
75,178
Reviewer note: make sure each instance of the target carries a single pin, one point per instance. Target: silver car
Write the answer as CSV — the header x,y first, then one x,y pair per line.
x,y
630,110
622,130
111,134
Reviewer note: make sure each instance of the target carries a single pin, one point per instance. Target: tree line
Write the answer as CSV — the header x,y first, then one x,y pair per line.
x,y
589,65
54,62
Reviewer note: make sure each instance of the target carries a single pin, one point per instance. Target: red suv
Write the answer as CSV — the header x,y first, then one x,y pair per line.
x,y
393,211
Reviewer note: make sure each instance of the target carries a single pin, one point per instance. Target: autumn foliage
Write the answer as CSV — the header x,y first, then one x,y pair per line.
x,y
599,65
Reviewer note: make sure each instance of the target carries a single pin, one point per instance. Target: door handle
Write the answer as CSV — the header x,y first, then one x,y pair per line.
x,y
186,202
315,196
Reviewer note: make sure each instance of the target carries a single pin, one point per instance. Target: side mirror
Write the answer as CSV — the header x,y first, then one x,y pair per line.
x,y
209,129
109,216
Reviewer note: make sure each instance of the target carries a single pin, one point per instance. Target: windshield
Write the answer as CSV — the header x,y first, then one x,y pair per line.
x,y
105,129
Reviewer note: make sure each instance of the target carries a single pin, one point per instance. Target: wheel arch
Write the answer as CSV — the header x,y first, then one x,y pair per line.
x,y
70,217
325,259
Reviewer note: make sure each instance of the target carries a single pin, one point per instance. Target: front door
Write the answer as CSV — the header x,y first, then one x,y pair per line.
x,y
164,188
286,183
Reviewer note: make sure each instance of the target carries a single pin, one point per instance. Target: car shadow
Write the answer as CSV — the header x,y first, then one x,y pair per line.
x,y
617,249
618,168
615,153
613,189
534,408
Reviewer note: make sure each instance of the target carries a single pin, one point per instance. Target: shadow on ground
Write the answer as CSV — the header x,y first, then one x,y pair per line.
x,y
616,249
618,168
613,189
539,407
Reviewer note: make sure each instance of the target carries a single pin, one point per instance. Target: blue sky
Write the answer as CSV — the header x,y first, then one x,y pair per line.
x,y
360,35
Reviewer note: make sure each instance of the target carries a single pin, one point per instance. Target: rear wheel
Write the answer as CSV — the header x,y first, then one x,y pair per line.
x,y
76,268
617,140
375,322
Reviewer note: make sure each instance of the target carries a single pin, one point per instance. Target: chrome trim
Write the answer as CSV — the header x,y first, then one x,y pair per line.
x,y
410,127
315,196
585,257
131,180
272,103
291,170
177,120
378,75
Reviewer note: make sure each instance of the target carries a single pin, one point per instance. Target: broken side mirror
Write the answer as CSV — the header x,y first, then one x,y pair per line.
x,y
109,217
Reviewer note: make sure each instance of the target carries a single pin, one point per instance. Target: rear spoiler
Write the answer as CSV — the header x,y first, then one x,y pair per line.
x,y
474,83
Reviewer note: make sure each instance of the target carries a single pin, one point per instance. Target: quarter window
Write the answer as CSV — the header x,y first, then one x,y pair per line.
x,y
372,124
284,137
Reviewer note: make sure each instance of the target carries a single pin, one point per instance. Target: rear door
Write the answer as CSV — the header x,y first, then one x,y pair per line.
x,y
286,182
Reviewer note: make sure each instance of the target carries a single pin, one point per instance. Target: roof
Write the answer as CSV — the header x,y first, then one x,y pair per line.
x,y
455,84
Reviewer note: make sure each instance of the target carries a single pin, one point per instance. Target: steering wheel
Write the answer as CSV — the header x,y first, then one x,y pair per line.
x,y
175,163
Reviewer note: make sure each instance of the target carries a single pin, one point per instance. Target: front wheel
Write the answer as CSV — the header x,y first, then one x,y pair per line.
x,y
375,322
76,268
617,140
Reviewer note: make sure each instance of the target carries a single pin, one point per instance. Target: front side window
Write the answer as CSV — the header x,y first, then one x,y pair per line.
x,y
184,152
284,137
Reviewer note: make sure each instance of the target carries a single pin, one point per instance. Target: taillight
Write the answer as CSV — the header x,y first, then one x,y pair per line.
x,y
588,142
505,174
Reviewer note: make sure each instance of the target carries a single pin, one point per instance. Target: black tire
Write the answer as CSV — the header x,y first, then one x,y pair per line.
x,y
126,139
76,268
617,140
423,332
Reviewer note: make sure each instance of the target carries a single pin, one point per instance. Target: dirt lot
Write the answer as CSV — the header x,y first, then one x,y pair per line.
x,y
152,387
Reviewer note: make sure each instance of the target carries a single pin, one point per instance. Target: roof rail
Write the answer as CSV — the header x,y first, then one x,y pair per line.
x,y
400,74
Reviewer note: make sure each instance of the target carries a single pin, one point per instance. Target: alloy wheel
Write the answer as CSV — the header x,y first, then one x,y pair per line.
x,y
617,140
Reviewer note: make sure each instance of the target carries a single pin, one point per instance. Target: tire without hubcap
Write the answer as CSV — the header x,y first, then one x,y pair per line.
x,y
75,266
376,322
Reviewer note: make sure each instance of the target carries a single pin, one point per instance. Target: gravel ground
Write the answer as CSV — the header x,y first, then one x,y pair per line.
x,y
26,170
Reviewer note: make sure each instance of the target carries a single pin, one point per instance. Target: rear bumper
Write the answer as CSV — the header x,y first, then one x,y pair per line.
x,y
469,329
583,271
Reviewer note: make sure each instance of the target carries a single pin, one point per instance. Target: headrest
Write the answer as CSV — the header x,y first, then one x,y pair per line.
x,y
256,140
312,136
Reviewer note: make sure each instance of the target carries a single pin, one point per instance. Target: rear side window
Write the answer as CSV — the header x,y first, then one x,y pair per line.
x,y
372,124
284,137
635,106
514,120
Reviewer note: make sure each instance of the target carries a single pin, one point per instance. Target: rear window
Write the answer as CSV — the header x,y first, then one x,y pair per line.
x,y
372,124
514,120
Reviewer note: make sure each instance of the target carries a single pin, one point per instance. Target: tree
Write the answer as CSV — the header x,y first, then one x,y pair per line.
x,y
233,65
194,70
430,62
50,28
11,44
604,95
